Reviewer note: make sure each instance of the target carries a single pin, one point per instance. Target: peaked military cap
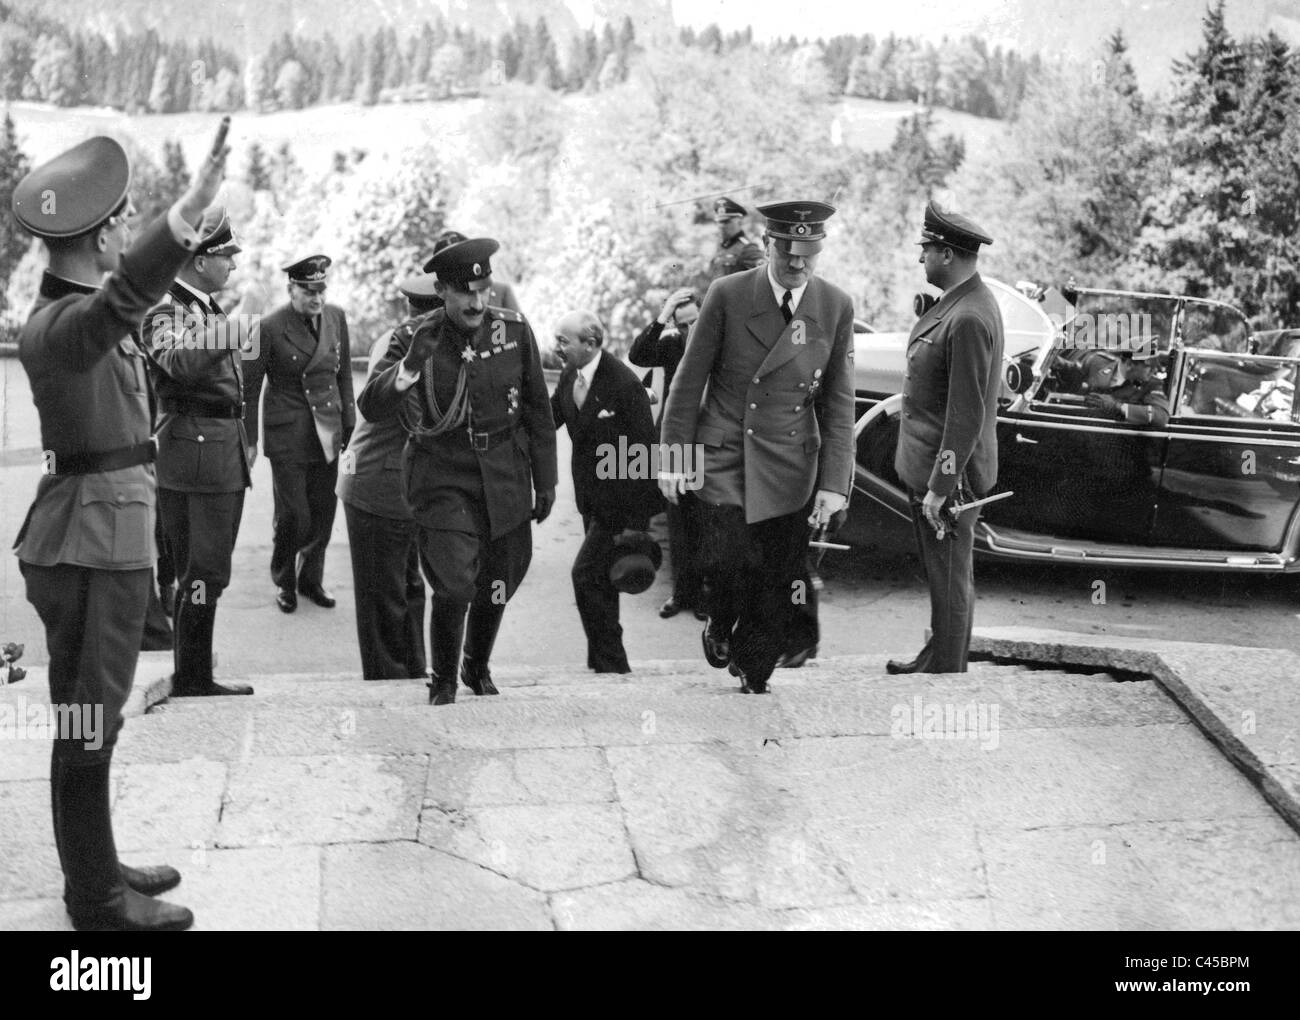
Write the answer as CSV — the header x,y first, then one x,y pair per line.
x,y
465,262
76,191
309,272
801,226
726,209
943,227
218,236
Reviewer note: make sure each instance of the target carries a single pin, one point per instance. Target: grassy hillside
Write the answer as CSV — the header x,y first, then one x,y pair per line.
x,y
315,134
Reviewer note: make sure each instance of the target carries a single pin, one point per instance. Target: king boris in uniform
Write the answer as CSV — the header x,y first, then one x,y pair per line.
x,y
468,385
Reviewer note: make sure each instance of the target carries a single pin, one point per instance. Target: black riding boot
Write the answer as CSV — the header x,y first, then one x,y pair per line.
x,y
97,895
480,636
446,629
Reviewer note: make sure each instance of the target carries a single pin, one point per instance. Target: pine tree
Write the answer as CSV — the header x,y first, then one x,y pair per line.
x,y
176,176
257,175
14,242
1196,239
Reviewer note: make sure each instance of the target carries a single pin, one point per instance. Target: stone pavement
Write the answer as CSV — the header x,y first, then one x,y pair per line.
x,y
1006,798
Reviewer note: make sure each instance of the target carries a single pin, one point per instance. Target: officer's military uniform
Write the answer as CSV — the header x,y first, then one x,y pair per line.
x,y
482,439
203,465
309,416
775,425
86,549
948,437
1136,401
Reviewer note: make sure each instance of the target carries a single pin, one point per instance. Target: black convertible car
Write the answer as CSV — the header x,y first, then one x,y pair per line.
x,y
1216,487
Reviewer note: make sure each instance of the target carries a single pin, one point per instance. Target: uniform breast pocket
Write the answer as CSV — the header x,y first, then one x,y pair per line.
x,y
115,524
129,364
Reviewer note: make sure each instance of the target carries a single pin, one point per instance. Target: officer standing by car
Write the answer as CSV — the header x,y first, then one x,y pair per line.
x,y
468,386
203,453
86,549
947,444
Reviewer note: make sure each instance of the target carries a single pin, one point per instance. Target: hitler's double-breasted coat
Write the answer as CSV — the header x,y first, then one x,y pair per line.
x,y
770,403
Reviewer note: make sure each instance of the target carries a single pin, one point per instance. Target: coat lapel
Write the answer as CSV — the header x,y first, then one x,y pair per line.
x,y
595,394
810,312
765,321
322,347
297,333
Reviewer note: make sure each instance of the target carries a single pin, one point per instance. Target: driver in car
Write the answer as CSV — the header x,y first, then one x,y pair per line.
x,y
1124,386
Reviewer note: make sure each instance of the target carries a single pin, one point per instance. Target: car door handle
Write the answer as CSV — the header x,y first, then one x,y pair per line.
x,y
1026,439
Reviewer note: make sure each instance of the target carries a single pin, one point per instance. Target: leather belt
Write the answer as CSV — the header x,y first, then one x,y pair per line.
x,y
196,408
103,460
484,441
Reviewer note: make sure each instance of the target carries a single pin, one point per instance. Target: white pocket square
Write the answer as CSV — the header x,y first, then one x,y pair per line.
x,y
605,413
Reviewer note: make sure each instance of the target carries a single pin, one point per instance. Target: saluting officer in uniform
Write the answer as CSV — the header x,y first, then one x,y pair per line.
x,y
736,252
305,358
86,549
774,345
947,443
469,388
203,453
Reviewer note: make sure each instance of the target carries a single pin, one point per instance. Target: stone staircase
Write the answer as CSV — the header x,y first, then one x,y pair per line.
x,y
1006,797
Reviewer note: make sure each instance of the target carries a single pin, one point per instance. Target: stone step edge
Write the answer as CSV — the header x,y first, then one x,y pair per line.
x,y
1182,672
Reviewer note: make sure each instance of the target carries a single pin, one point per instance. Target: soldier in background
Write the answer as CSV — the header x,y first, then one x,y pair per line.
x,y
468,386
305,358
86,549
204,457
736,252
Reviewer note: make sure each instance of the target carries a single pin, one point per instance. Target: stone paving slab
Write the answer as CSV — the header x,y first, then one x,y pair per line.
x,y
671,801
285,801
1246,700
405,886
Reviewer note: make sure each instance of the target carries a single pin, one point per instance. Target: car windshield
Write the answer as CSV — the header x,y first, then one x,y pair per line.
x,y
1110,321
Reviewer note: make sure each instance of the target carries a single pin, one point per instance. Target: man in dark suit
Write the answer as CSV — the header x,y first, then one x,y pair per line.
x,y
774,345
203,453
86,549
305,358
947,443
661,345
468,386
607,413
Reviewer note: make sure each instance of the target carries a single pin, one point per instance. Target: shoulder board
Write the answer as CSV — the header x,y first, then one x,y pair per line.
x,y
505,314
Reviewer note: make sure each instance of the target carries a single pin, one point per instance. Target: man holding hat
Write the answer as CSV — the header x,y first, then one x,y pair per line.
x,y
305,358
607,412
467,385
736,252
947,443
86,549
774,346
203,452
